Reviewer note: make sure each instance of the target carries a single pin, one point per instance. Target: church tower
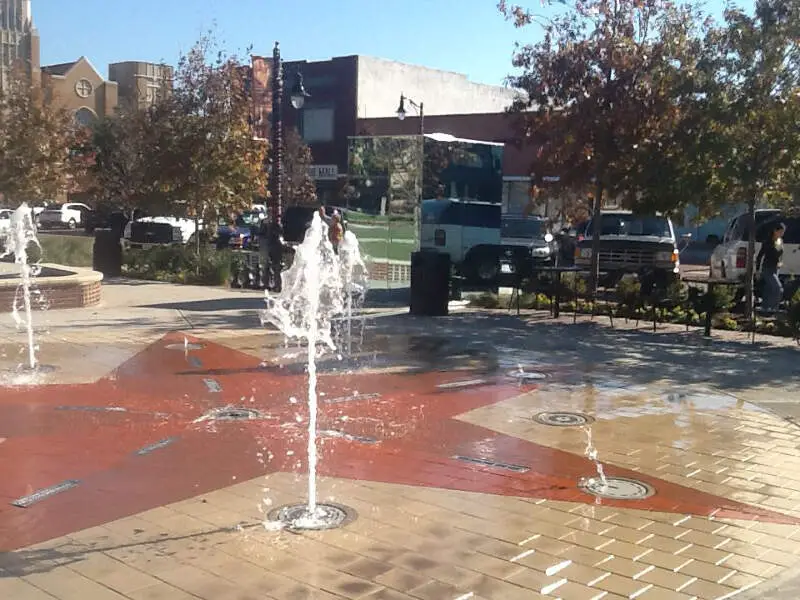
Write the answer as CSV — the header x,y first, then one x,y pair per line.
x,y
19,40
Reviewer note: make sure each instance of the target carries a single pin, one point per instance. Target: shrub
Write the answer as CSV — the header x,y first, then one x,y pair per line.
x,y
628,292
723,298
793,315
676,293
179,264
572,283
486,300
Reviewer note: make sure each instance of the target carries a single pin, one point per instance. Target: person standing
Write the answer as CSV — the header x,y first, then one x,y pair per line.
x,y
769,263
336,231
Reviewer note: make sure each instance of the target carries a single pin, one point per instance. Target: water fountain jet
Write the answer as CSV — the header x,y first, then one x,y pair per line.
x,y
317,289
21,234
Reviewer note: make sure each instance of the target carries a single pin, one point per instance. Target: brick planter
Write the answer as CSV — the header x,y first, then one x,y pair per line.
x,y
61,287
389,271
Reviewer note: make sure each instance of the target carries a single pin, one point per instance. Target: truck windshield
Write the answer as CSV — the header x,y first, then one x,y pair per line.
x,y
632,225
248,219
522,228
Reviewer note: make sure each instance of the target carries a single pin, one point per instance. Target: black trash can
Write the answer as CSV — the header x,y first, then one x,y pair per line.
x,y
430,283
107,252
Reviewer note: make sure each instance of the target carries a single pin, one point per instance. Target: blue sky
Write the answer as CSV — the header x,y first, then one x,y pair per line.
x,y
467,36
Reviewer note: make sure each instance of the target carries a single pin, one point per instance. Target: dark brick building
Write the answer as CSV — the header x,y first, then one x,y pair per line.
x,y
348,90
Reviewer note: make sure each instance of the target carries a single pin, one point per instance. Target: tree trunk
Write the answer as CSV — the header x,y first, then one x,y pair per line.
x,y
197,243
594,279
751,257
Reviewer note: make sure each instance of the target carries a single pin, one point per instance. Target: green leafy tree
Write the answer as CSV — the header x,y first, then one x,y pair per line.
x,y
606,76
209,164
124,172
37,138
749,110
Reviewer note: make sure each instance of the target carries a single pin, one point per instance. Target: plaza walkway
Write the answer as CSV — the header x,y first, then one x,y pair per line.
x,y
464,454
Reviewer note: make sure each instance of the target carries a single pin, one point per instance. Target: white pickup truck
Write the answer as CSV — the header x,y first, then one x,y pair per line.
x,y
71,215
729,259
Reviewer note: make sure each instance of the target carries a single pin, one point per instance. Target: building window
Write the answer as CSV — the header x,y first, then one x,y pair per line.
x,y
85,117
318,125
516,196
84,88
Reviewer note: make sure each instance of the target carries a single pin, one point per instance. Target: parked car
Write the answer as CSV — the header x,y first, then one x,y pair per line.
x,y
5,220
108,217
68,215
644,245
147,232
729,259
239,233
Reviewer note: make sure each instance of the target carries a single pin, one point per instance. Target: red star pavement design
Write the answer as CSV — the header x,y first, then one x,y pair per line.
x,y
394,428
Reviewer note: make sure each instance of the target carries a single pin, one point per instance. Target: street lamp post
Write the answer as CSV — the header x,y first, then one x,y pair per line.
x,y
401,114
298,99
419,107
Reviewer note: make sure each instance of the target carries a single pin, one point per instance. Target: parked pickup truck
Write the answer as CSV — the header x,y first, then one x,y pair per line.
x,y
644,245
729,259
157,231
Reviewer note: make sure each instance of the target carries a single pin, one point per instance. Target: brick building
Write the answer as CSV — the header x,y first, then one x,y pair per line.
x,y
348,89
79,87
19,39
491,127
141,84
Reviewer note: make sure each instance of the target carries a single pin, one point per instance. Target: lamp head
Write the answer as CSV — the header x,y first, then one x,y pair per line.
x,y
299,94
401,110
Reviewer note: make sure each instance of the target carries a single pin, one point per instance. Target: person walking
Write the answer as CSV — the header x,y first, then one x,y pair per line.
x,y
769,263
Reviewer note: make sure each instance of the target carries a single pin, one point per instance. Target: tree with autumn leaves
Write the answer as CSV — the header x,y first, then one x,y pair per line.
x,y
193,153
605,76
653,104
40,143
750,107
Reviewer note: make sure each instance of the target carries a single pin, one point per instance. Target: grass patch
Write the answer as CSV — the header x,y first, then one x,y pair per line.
x,y
67,250
354,216
381,250
397,231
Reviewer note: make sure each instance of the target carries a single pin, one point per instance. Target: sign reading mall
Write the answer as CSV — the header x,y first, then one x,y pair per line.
x,y
323,172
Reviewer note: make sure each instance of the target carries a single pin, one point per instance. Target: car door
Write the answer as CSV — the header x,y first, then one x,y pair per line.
x,y
481,226
791,247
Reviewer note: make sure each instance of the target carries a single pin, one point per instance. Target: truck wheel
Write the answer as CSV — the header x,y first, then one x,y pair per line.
x,y
482,267
72,224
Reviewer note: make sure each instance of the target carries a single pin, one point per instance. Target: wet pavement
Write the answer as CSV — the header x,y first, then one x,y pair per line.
x,y
467,448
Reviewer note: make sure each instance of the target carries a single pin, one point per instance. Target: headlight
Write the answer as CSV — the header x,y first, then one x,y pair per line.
x,y
667,256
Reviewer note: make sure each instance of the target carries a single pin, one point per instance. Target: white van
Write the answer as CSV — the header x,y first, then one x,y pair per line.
x,y
475,235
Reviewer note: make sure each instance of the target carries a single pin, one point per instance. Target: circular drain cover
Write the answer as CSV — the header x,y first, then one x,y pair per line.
x,y
184,347
616,488
296,517
563,419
